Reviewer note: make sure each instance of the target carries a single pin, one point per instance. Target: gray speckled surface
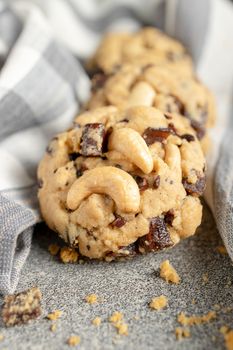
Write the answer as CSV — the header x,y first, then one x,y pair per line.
x,y
127,287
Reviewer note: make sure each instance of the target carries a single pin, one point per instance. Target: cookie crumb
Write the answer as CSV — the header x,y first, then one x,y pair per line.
x,y
117,320
73,340
97,321
205,278
223,329
217,307
116,317
53,327
221,249
195,320
227,309
122,328
91,299
158,303
22,307
53,249
229,340
168,273
1,337
182,333
136,318
53,316
68,255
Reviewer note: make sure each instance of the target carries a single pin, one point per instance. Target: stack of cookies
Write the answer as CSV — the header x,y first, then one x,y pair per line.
x,y
127,176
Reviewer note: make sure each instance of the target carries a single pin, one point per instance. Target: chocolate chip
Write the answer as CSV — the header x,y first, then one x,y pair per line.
x,y
152,135
92,140
179,104
200,130
168,115
141,182
119,221
188,137
195,189
157,238
88,247
73,156
172,127
118,166
49,149
80,170
98,81
125,120
169,217
156,182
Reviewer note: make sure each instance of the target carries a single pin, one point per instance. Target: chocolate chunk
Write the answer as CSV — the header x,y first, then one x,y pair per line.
x,y
169,217
80,170
179,104
98,81
73,156
197,188
157,238
92,140
156,182
200,130
188,137
142,182
118,222
152,135
22,307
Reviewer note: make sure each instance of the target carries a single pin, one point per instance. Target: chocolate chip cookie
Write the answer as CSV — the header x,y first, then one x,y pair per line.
x,y
160,87
147,46
122,182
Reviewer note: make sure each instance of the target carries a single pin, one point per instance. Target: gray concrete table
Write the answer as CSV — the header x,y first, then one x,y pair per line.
x,y
127,287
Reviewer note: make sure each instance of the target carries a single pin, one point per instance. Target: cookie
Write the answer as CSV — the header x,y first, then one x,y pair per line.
x,y
122,182
147,46
156,86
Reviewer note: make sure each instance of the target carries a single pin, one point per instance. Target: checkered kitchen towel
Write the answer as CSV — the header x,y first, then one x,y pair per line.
x,y
42,83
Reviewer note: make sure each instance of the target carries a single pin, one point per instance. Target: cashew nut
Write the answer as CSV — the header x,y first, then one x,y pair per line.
x,y
142,94
116,183
130,143
173,159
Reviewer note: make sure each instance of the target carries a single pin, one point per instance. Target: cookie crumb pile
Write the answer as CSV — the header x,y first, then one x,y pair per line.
x,y
22,308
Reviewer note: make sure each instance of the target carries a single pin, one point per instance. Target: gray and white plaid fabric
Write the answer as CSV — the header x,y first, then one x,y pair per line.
x,y
42,83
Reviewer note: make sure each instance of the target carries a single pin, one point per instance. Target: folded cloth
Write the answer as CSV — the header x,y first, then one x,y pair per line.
x,y
42,84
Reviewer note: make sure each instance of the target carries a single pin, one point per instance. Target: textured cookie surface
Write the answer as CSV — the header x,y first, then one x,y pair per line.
x,y
147,46
160,87
121,182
